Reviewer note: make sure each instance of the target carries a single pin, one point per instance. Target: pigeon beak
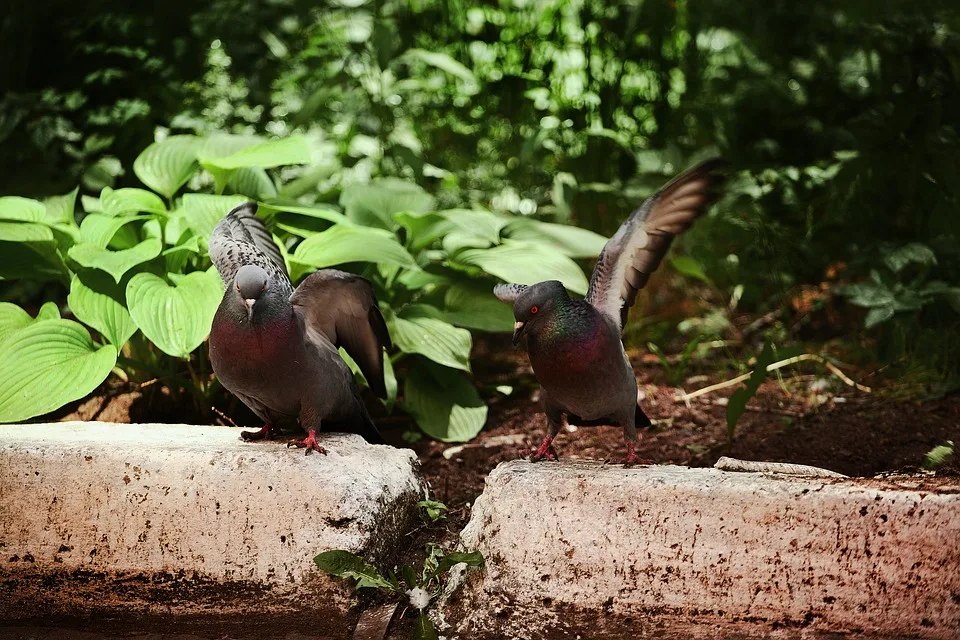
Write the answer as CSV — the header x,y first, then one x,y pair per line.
x,y
518,332
249,302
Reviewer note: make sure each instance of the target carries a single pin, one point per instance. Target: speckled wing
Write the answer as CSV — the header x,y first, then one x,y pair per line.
x,y
239,239
508,292
636,249
342,308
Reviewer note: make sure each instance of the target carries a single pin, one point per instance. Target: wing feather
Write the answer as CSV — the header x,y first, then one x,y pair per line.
x,y
240,238
636,249
343,308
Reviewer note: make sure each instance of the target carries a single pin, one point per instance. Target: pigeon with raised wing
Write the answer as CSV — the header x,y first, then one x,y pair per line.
x,y
276,348
575,346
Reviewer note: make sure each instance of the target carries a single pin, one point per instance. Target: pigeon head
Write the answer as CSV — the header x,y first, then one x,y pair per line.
x,y
251,282
536,306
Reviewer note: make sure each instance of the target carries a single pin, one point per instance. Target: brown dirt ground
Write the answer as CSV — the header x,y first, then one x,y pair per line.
x,y
845,430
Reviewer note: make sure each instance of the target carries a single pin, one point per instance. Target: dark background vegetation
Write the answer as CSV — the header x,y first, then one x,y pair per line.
x,y
841,120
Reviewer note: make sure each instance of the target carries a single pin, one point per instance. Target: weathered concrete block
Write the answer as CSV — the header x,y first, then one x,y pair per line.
x,y
689,546
188,519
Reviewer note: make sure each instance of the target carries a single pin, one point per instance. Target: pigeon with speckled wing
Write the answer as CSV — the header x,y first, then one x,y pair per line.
x,y
276,348
575,346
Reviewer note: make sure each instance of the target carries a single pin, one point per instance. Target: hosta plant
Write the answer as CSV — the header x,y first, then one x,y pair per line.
x,y
141,292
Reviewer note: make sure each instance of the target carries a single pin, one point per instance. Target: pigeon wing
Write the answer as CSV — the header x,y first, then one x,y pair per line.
x,y
636,249
343,308
240,239
508,292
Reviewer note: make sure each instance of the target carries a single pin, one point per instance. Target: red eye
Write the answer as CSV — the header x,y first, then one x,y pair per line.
x,y
534,309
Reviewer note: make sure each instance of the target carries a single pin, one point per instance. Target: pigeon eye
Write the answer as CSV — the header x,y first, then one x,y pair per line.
x,y
534,309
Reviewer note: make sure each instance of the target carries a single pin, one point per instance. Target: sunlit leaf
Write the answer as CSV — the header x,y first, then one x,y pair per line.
x,y
444,402
47,364
572,241
167,165
526,263
117,202
443,62
375,204
342,244
344,564
418,331
202,211
60,209
116,263
99,302
24,209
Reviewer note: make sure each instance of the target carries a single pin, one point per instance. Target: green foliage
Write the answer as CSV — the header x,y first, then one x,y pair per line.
x,y
676,370
737,404
433,509
420,588
938,455
133,263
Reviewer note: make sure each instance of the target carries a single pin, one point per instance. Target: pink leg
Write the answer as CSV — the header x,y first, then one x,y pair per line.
x,y
632,458
544,451
262,434
309,443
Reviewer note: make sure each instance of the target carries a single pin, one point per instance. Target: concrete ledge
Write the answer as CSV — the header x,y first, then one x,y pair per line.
x,y
710,548
181,519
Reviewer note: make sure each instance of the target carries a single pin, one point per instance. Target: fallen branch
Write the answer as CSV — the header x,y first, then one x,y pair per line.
x,y
685,397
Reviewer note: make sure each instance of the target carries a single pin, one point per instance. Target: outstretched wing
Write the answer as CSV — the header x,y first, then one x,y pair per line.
x,y
342,307
508,292
636,249
239,239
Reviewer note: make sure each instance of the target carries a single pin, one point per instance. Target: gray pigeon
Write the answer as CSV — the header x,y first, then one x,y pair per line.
x,y
275,348
575,346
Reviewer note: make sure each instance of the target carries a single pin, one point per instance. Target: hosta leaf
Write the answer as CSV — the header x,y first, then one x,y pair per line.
x,y
29,251
271,153
116,263
526,263
117,202
202,211
60,209
445,403
342,244
12,318
167,165
479,223
98,229
423,228
690,268
48,364
25,209
99,302
175,318
416,332
572,241
252,182
376,203
319,212
477,308
878,315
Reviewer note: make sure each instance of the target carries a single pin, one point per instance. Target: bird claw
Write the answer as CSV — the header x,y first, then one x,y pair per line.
x,y
632,459
309,443
262,434
544,452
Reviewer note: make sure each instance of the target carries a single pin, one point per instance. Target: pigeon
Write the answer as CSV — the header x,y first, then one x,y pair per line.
x,y
575,346
276,347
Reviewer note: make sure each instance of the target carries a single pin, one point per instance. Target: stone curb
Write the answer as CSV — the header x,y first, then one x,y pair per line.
x,y
189,520
707,546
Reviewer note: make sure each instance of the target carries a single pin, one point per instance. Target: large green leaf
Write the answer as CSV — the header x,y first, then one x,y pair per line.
x,y
483,224
178,318
347,243
375,204
252,182
271,153
572,241
60,209
167,165
319,212
29,250
24,209
99,302
526,263
12,318
419,330
444,402
202,211
477,308
48,364
117,202
98,229
116,263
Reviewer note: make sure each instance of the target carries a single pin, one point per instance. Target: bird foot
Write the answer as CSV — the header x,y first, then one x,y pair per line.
x,y
262,434
632,458
544,452
309,443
